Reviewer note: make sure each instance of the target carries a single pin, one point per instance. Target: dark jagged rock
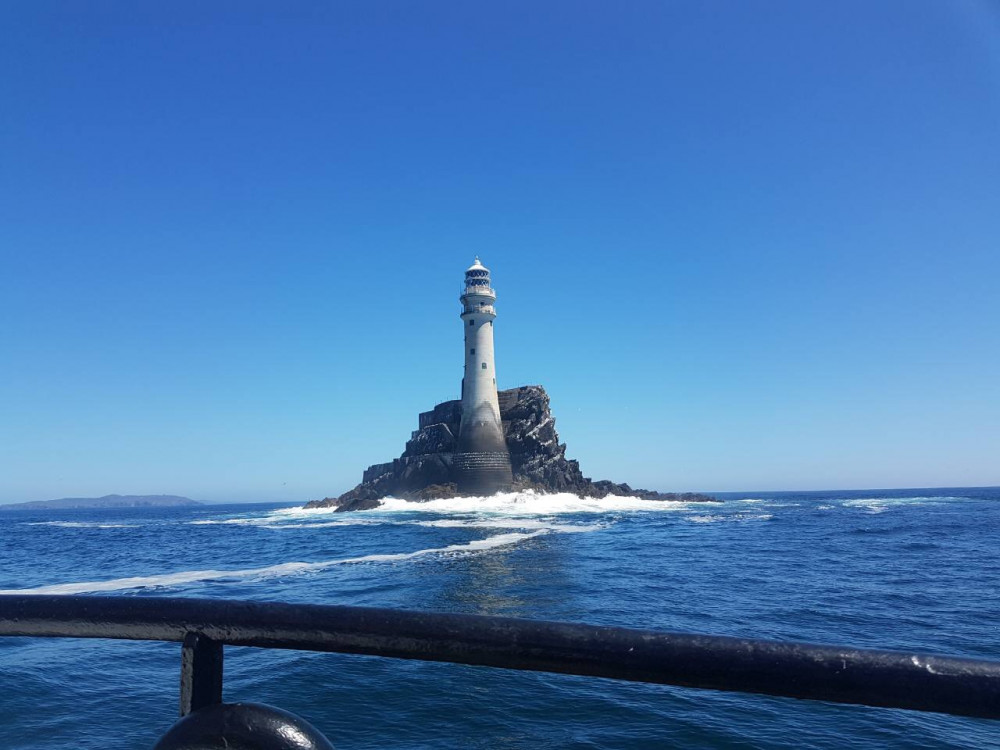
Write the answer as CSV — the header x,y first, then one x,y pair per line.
x,y
537,458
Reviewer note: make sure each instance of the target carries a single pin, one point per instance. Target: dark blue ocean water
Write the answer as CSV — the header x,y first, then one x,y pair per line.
x,y
901,569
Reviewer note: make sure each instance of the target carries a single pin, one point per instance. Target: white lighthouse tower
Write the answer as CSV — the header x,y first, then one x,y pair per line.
x,y
482,462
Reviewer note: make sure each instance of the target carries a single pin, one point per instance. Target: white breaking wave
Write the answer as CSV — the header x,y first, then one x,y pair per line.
x,y
529,504
900,500
271,571
882,504
513,510
484,522
735,517
507,523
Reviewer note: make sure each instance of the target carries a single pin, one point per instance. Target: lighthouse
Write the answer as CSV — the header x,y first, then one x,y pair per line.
x,y
482,462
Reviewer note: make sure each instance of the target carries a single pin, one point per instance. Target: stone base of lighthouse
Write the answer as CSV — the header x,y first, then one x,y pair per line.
x,y
481,464
482,473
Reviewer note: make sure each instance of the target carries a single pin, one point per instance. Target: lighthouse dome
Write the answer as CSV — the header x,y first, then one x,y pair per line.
x,y
477,275
476,266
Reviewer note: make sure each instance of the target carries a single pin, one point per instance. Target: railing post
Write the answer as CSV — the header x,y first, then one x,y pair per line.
x,y
201,672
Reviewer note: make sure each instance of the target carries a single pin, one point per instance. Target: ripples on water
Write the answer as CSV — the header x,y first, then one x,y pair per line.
x,y
899,569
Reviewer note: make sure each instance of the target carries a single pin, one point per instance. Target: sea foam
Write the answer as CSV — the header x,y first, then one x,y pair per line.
x,y
271,571
516,510
530,504
83,525
882,504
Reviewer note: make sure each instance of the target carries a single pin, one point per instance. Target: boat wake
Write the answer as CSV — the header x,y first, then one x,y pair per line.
x,y
271,571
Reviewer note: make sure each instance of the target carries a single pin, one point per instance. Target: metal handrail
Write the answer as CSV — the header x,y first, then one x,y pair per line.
x,y
893,679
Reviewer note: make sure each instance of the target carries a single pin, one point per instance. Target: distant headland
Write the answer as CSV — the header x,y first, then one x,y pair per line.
x,y
107,501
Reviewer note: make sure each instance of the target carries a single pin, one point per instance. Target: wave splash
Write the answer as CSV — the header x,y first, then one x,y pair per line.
x,y
526,503
513,510
882,504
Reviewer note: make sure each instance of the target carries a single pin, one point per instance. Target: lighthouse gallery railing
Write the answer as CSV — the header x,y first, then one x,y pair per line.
x,y
843,674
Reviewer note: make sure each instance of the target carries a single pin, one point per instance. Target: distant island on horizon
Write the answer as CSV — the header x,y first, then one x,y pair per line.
x,y
107,501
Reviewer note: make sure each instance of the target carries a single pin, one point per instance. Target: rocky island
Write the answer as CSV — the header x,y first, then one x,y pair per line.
x,y
538,460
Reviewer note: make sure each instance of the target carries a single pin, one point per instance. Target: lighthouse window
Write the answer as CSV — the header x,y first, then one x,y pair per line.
x,y
484,365
472,322
472,351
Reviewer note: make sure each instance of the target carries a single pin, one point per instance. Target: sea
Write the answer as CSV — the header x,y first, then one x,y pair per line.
x,y
911,569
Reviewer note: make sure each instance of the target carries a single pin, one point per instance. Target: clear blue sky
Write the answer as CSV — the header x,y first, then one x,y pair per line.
x,y
744,245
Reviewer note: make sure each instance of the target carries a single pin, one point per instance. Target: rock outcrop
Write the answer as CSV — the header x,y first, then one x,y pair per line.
x,y
538,459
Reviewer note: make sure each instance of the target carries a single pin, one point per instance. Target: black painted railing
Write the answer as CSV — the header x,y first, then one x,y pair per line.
x,y
916,681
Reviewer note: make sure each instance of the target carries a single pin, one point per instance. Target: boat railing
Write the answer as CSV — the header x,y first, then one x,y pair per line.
x,y
842,674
